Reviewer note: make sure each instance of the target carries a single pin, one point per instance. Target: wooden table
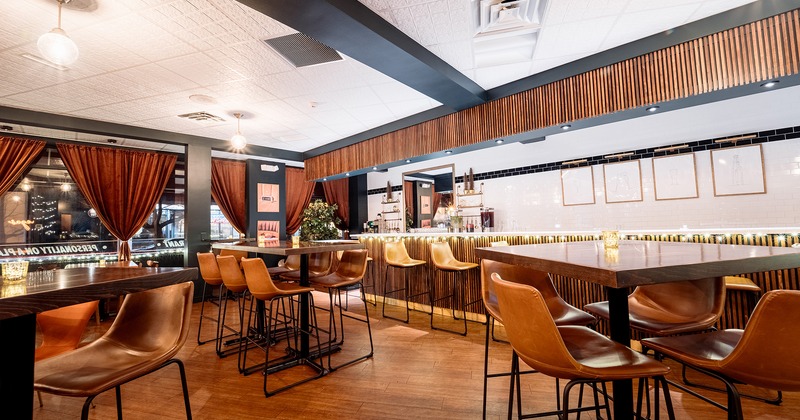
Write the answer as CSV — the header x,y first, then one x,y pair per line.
x,y
51,289
304,249
638,263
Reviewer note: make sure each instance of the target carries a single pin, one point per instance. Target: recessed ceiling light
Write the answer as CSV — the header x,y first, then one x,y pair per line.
x,y
770,84
324,179
347,174
653,108
374,168
408,160
566,127
448,152
499,141
202,99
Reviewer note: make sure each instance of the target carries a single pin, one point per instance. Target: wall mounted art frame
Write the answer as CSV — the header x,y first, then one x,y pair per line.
x,y
738,170
577,186
675,177
269,229
623,181
269,198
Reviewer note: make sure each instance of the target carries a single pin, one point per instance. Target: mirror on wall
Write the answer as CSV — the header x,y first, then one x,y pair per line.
x,y
427,194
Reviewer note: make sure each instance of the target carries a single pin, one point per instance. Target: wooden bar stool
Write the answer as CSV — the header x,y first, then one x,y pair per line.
x,y
444,261
579,354
350,272
396,256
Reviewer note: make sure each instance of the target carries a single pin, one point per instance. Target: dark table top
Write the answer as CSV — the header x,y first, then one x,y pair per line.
x,y
286,248
644,262
51,289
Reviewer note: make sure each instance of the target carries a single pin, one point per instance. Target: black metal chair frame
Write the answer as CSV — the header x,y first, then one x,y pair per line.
x,y
405,292
457,283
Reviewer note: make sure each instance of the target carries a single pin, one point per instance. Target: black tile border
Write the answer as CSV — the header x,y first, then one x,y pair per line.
x,y
767,136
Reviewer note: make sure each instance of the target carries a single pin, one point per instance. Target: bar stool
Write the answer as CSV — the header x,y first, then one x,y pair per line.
x,y
763,354
289,264
235,287
209,270
396,256
272,296
350,272
234,253
444,261
319,264
362,286
562,312
743,284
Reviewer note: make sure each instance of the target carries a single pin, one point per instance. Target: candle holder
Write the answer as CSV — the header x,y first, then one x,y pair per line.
x,y
611,239
14,271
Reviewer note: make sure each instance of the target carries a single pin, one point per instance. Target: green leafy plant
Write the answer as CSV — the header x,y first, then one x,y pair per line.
x,y
319,222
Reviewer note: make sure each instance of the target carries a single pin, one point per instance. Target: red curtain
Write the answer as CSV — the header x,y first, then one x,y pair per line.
x,y
408,196
228,185
15,156
123,186
298,195
437,200
338,192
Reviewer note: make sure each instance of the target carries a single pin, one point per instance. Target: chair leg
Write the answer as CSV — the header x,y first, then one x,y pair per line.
x,y
85,409
513,376
485,368
386,291
118,392
369,333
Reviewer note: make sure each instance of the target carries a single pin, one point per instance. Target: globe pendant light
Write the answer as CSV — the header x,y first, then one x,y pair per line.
x,y
238,141
55,46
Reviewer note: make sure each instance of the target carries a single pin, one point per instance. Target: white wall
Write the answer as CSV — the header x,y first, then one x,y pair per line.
x,y
533,202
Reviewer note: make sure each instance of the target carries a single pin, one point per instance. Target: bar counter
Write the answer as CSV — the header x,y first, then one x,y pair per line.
x,y
577,292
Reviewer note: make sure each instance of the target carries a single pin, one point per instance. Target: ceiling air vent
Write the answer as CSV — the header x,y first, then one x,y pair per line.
x,y
301,50
202,116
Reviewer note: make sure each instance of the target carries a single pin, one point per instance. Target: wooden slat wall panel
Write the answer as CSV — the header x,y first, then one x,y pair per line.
x,y
750,53
578,293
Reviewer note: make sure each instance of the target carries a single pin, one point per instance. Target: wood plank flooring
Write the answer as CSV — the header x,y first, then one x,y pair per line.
x,y
415,373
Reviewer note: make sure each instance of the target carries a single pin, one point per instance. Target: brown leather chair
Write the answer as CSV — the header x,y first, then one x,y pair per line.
x,y
395,256
235,254
235,287
319,264
672,308
562,312
763,354
289,264
274,296
744,285
61,330
576,353
150,328
444,262
350,272
212,279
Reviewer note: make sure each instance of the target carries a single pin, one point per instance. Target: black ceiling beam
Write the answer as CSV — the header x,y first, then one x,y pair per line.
x,y
353,29
102,128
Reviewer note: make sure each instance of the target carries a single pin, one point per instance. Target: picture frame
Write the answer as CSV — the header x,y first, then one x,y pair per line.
x,y
623,181
738,170
577,186
268,198
425,204
675,177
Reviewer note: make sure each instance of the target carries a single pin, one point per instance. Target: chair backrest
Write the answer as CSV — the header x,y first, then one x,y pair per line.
x,y
394,252
292,262
353,264
531,330
498,243
766,355
236,254
63,328
154,321
207,262
232,275
441,254
700,300
319,263
523,275
258,279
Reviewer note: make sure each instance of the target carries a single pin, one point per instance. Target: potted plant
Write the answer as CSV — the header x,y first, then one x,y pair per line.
x,y
319,222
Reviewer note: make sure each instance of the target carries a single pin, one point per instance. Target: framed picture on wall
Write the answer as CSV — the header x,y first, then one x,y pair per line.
x,y
269,229
675,177
577,186
623,181
268,198
425,204
738,170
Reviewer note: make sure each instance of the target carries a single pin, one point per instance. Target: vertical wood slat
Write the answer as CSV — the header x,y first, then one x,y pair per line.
x,y
751,53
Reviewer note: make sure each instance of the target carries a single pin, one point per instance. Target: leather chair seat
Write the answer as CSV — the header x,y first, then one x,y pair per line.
x,y
405,262
283,289
318,265
742,284
456,266
703,350
653,321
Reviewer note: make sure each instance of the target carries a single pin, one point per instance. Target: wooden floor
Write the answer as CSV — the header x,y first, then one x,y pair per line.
x,y
415,373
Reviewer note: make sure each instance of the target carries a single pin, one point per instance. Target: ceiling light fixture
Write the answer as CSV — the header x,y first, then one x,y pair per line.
x,y
56,46
238,141
770,84
448,152
566,127
408,160
374,168
499,141
653,108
